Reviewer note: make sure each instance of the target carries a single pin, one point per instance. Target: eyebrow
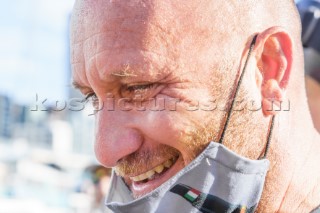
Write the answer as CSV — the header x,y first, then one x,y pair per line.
x,y
125,73
78,86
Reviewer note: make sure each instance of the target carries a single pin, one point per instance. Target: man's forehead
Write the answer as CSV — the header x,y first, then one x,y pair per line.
x,y
99,26
155,35
91,17
151,25
144,67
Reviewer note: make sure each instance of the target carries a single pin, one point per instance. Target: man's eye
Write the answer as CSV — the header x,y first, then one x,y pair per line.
x,y
137,92
139,88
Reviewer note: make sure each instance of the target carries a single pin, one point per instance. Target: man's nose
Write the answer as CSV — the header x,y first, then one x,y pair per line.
x,y
116,136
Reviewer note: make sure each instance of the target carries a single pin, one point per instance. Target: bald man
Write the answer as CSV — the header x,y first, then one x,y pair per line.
x,y
177,87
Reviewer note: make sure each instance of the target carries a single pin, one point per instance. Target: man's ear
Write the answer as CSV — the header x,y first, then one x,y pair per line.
x,y
274,59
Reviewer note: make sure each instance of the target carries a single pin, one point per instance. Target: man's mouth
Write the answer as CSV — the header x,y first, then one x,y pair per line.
x,y
154,172
146,182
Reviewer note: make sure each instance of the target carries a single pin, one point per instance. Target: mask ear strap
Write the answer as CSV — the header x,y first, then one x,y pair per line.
x,y
268,138
237,89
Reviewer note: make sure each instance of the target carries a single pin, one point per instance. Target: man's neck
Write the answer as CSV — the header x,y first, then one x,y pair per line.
x,y
303,193
293,181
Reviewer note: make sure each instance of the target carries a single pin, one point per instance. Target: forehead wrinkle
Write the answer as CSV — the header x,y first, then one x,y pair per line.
x,y
111,21
79,76
139,56
95,79
151,37
137,64
135,23
103,28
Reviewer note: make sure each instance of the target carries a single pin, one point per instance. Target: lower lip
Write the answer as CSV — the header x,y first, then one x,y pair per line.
x,y
140,189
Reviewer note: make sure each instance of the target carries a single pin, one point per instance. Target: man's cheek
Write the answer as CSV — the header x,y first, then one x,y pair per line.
x,y
166,127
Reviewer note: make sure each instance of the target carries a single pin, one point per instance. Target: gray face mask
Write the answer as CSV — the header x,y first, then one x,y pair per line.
x,y
217,181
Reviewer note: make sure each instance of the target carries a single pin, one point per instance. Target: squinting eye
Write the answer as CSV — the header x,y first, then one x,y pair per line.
x,y
139,88
137,92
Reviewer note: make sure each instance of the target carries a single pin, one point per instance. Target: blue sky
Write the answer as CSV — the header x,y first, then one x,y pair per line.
x,y
34,49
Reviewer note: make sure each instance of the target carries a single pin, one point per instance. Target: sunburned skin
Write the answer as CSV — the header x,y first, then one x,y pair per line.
x,y
194,52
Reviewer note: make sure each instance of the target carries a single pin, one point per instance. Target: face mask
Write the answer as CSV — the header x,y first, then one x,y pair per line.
x,y
217,181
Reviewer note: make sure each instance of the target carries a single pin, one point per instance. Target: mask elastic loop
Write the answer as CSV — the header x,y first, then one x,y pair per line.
x,y
268,138
237,90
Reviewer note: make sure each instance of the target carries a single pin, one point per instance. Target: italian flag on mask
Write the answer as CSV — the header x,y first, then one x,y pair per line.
x,y
192,194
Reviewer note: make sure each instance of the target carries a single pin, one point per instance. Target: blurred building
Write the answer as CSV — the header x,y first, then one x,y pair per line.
x,y
12,115
43,150
4,117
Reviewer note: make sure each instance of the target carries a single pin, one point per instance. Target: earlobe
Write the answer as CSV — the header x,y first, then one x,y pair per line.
x,y
274,59
272,96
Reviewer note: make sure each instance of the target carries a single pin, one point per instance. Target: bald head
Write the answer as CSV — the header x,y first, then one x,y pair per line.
x,y
233,16
176,28
193,52
165,34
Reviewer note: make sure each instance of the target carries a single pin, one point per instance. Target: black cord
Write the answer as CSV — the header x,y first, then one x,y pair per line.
x,y
237,89
269,138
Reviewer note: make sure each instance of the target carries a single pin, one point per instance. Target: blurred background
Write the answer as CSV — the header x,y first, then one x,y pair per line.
x,y
47,162
46,153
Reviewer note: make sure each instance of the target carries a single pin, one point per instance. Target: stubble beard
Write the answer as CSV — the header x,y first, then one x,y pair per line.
x,y
194,142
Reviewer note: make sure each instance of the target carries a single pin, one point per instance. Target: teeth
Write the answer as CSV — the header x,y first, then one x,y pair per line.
x,y
168,163
159,168
149,174
140,177
135,178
